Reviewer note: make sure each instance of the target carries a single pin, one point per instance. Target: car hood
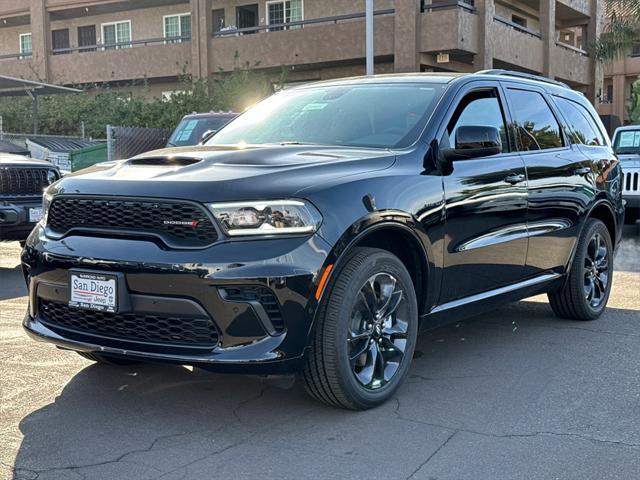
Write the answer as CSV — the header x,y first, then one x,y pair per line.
x,y
9,159
211,173
629,161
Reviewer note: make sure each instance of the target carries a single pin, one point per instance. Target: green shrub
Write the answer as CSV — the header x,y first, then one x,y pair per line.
x,y
132,106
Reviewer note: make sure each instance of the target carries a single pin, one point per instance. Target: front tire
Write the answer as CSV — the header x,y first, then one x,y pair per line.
x,y
585,294
366,332
107,359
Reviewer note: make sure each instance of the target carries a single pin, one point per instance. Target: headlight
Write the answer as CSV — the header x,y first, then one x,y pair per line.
x,y
268,217
47,198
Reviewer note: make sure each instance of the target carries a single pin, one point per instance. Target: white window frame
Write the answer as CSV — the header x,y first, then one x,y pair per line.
x,y
118,47
164,25
22,53
271,2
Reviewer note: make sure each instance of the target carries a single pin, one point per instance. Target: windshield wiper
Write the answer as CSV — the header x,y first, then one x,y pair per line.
x,y
295,142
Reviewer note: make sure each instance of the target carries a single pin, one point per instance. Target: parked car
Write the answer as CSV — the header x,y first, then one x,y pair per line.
x,y
626,143
325,226
196,127
22,181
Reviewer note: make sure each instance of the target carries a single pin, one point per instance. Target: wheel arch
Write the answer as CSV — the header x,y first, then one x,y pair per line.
x,y
395,236
604,212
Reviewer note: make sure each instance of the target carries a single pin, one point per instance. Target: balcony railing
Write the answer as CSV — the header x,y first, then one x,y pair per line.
x,y
516,26
121,45
462,4
572,48
13,56
297,24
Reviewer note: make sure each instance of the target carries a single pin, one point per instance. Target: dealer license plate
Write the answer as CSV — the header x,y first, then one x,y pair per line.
x,y
93,291
35,215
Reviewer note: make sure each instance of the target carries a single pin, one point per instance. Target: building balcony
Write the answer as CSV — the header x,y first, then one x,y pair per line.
x,y
449,27
571,64
19,66
135,60
517,45
310,42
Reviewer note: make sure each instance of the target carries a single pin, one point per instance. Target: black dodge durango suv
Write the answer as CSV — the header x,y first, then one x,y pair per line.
x,y
321,229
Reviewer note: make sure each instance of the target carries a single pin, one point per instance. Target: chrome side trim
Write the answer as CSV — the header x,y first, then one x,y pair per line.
x,y
498,291
514,232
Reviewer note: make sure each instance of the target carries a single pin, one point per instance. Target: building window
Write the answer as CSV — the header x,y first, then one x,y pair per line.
x,y
115,34
26,46
60,41
87,38
218,19
284,11
635,50
177,27
609,93
247,16
519,21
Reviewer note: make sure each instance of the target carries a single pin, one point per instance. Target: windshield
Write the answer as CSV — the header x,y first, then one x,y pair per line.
x,y
189,131
380,116
627,141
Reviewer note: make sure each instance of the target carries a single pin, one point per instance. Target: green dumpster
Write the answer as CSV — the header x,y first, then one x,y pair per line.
x,y
85,157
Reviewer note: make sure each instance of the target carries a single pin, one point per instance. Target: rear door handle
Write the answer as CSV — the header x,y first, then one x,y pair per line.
x,y
514,178
582,171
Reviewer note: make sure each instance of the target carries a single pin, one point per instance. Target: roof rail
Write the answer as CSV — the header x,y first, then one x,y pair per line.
x,y
529,76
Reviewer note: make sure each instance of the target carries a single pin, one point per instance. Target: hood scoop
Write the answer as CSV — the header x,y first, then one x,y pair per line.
x,y
164,161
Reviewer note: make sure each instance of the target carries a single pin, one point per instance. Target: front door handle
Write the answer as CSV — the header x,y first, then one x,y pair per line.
x,y
582,171
514,178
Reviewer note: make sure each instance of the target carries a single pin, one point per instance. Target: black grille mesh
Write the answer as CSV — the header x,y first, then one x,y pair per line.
x,y
131,327
260,294
179,224
23,181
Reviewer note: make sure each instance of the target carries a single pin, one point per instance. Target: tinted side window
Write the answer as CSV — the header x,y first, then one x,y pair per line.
x,y
477,108
581,128
537,128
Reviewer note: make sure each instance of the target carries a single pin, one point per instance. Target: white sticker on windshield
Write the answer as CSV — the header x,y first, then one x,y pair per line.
x,y
629,139
314,106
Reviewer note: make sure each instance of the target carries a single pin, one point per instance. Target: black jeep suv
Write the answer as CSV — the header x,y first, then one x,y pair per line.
x,y
22,181
320,230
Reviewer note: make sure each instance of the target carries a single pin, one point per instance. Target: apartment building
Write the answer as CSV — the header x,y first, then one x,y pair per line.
x,y
619,76
73,42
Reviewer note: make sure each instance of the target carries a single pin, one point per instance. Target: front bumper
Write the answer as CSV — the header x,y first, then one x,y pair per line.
x,y
14,218
164,282
631,201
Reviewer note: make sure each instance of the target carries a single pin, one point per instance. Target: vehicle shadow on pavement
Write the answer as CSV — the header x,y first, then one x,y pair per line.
x,y
165,421
12,283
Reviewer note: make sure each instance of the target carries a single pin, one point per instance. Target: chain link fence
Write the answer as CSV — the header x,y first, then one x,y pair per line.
x,y
127,142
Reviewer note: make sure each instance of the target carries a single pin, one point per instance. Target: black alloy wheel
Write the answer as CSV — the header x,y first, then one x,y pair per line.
x,y
365,332
585,293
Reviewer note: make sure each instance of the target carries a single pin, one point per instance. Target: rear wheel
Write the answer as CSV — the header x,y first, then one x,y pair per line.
x,y
107,359
365,333
585,294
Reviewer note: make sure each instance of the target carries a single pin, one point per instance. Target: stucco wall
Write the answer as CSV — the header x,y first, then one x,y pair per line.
x,y
512,46
304,46
115,65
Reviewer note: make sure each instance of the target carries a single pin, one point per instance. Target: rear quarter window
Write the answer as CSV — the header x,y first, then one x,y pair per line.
x,y
581,126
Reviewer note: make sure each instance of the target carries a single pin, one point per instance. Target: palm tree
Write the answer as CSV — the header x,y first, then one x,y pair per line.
x,y
621,32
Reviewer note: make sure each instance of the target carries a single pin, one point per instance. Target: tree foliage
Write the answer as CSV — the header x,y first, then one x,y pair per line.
x,y
621,31
101,105
634,106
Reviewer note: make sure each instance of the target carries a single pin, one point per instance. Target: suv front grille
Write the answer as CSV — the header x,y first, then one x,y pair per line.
x,y
20,181
178,224
631,182
130,327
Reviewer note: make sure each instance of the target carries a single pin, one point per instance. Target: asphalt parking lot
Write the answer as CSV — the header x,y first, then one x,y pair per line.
x,y
515,394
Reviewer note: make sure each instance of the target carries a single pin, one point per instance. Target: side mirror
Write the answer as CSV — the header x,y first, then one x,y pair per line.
x,y
473,141
207,135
